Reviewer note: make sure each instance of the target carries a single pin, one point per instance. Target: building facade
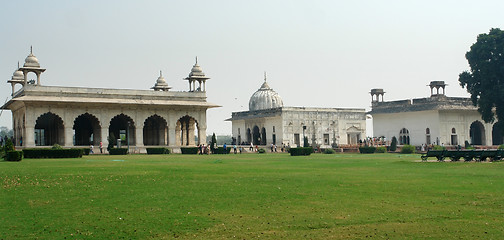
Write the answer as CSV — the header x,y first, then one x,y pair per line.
x,y
77,116
269,122
437,119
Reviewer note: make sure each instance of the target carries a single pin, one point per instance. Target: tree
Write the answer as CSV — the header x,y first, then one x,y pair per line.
x,y
485,80
111,140
393,144
213,143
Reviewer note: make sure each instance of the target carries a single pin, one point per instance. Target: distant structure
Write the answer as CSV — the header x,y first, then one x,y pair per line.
x,y
437,119
269,122
77,116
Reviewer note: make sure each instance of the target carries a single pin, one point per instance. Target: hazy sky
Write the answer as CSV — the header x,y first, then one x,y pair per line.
x,y
315,53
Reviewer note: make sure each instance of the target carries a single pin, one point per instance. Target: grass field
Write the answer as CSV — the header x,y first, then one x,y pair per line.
x,y
250,196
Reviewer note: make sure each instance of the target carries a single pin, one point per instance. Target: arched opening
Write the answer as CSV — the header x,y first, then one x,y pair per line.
x,y
263,136
186,131
155,131
497,134
49,130
122,127
477,133
404,137
454,140
86,130
249,136
256,135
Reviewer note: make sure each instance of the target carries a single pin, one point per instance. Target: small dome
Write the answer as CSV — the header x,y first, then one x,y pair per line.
x,y
265,98
161,83
196,71
18,75
31,61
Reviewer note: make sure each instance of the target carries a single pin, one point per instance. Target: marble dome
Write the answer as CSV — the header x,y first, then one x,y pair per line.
x,y
31,61
265,98
18,75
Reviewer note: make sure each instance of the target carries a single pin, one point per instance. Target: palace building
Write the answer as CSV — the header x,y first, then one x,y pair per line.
x,y
77,116
269,122
437,119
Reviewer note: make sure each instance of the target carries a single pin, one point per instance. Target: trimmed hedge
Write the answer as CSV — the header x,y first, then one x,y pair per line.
x,y
381,150
408,149
301,151
86,151
261,150
220,150
53,153
158,150
14,156
329,151
367,149
189,150
118,151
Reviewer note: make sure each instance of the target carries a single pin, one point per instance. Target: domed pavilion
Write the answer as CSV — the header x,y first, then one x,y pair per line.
x,y
269,122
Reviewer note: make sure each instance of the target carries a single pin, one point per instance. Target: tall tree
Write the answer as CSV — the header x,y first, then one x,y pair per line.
x,y
485,80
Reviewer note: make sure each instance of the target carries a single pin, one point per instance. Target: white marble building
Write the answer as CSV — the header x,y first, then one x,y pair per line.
x,y
437,119
269,122
78,116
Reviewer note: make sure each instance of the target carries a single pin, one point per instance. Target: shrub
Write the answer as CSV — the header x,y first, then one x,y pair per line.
x,y
393,144
189,150
53,153
408,149
159,150
111,141
9,146
56,147
261,150
220,150
86,151
118,151
501,146
381,150
14,156
367,149
301,151
466,144
329,151
437,147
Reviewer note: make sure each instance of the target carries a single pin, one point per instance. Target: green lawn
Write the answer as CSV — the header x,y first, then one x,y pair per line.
x,y
251,196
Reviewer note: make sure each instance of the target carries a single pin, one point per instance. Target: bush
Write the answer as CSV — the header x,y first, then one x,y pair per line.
x,y
14,156
53,153
466,144
189,150
393,144
118,151
261,150
408,149
437,147
159,150
86,151
381,150
9,146
367,149
501,146
220,150
329,151
56,147
301,151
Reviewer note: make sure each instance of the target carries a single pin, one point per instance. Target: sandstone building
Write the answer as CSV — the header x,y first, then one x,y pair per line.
x,y
437,119
78,116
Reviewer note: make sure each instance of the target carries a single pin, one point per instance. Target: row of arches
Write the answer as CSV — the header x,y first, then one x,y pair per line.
x,y
256,136
50,130
476,135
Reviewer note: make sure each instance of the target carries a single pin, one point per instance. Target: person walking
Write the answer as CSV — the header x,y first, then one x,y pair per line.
x,y
101,147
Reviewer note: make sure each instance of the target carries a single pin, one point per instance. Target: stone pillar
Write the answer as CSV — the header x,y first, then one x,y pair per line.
x,y
202,135
38,78
191,134
29,140
104,136
68,133
139,136
171,135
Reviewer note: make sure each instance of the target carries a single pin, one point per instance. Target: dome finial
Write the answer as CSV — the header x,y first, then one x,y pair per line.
x,y
31,49
18,64
196,60
160,73
264,76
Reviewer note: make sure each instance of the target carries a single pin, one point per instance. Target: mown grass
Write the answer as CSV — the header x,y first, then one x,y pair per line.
x,y
250,196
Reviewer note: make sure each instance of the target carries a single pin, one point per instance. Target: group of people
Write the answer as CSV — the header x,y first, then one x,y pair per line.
x,y
91,148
